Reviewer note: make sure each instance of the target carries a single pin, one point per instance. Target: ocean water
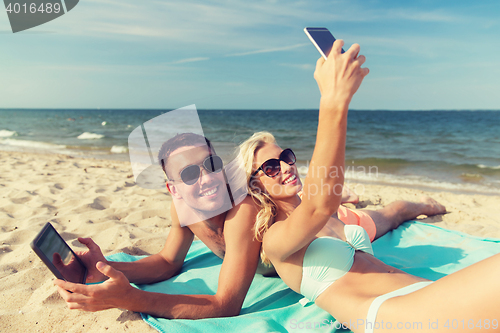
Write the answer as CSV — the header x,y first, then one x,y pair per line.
x,y
441,150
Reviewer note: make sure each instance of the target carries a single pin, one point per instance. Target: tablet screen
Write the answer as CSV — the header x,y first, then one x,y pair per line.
x,y
60,256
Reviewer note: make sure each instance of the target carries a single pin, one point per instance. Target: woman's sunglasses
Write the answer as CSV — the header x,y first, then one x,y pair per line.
x,y
272,166
191,173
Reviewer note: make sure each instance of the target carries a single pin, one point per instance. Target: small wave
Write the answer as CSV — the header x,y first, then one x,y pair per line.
x,y
90,136
382,161
119,149
471,177
30,144
6,133
421,181
472,181
482,166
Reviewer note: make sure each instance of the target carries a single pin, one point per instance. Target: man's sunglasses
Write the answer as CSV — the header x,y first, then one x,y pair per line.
x,y
272,167
191,173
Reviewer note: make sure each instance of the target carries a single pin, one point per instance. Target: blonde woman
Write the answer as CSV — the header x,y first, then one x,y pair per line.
x,y
331,263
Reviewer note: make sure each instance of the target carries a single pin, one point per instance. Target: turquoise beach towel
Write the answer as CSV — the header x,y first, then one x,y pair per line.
x,y
270,306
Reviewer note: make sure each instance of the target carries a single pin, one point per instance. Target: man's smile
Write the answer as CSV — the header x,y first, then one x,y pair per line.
x,y
209,191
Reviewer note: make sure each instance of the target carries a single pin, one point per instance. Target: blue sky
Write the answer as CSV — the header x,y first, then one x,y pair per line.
x,y
251,55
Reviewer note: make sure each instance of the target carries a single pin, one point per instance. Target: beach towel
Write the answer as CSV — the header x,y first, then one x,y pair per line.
x,y
270,306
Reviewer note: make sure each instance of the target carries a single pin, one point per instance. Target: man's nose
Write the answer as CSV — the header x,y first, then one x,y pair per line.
x,y
205,176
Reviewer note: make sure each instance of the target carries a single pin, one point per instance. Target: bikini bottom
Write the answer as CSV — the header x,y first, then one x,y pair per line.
x,y
377,302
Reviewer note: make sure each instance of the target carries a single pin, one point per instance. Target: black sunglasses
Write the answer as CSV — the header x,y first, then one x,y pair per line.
x,y
191,173
272,166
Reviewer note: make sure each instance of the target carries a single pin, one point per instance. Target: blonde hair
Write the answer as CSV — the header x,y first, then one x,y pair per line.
x,y
268,208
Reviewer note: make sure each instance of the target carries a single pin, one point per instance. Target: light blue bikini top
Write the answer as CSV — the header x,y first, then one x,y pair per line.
x,y
327,259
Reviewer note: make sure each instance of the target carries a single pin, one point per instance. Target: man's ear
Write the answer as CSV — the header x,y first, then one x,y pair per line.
x,y
173,190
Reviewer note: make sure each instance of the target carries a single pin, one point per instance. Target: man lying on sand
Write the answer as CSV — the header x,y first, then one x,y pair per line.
x,y
195,177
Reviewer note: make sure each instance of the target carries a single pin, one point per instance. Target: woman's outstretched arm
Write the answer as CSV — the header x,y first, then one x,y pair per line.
x,y
338,78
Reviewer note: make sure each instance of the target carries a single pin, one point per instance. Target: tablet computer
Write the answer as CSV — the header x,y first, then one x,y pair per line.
x,y
58,256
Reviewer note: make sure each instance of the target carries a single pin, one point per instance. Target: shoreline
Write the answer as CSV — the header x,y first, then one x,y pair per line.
x,y
425,188
98,198
446,150
381,178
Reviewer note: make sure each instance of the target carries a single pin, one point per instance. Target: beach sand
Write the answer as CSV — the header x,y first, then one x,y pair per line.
x,y
99,199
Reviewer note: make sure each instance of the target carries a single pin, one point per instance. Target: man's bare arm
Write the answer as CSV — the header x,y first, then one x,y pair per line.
x,y
241,259
163,265
236,275
237,272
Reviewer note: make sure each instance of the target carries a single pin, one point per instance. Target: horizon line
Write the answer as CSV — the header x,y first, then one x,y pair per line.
x,y
232,109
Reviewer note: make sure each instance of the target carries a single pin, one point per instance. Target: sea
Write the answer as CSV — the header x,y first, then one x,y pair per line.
x,y
456,151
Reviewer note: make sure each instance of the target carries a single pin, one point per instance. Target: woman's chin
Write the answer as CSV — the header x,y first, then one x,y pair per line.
x,y
287,192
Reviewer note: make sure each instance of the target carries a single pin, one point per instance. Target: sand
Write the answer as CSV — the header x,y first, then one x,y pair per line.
x,y
99,199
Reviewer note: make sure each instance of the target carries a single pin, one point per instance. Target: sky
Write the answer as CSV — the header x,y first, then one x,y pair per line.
x,y
229,54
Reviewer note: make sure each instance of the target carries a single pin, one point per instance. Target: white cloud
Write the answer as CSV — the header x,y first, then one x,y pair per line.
x,y
183,61
414,14
307,67
143,41
126,29
274,49
224,26
407,45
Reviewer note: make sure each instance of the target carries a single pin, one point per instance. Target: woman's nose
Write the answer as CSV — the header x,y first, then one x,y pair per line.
x,y
285,167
